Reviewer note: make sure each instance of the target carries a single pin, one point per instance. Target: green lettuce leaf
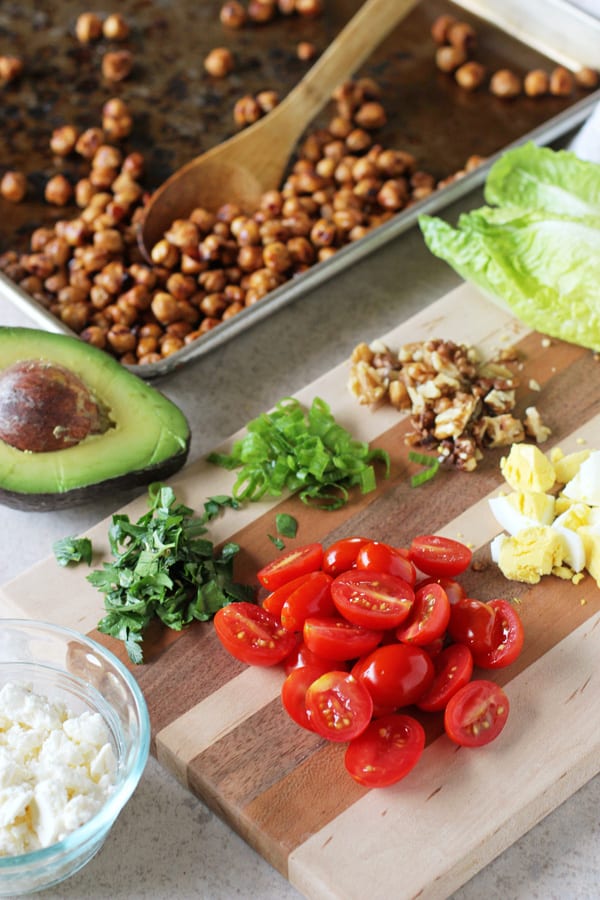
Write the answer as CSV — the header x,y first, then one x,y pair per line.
x,y
532,177
543,265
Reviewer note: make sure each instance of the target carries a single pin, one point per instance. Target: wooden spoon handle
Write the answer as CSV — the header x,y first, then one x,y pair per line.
x,y
352,46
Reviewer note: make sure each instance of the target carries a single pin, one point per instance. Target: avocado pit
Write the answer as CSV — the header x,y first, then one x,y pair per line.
x,y
44,407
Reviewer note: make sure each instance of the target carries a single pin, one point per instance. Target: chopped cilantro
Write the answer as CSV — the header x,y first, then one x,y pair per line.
x,y
286,525
164,568
72,549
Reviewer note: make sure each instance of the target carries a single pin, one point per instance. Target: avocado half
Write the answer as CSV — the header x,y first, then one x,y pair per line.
x,y
145,437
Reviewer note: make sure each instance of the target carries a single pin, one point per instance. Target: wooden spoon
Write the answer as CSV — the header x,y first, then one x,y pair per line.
x,y
242,168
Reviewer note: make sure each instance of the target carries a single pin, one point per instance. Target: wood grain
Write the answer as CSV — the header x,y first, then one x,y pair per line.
x,y
220,728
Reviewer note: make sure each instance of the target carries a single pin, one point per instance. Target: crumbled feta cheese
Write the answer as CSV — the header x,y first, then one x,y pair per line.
x,y
56,769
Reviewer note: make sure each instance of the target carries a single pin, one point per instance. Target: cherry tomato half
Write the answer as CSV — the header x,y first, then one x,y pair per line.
x,y
338,706
506,640
275,600
395,674
453,668
379,557
311,598
386,751
291,565
454,589
335,638
472,623
302,656
372,599
476,714
253,634
293,692
437,555
428,618
341,555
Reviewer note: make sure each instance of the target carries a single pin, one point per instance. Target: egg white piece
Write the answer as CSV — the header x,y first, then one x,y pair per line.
x,y
574,548
585,485
507,516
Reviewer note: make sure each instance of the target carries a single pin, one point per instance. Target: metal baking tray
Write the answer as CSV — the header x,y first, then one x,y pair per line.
x,y
178,114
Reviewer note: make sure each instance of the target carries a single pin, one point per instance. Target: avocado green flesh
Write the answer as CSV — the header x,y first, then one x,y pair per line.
x,y
150,437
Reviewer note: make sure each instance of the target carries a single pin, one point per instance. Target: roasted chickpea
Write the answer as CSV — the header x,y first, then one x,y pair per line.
x,y
250,258
117,65
88,142
165,307
219,62
586,77
88,27
233,14
358,140
63,140
449,58
370,115
115,27
171,343
267,100
462,35
393,194
146,345
441,27
164,254
122,339
506,84
232,310
306,51
261,11
13,186
246,111
133,165
182,233
536,83
562,82
74,315
58,190
310,9
95,336
277,257
10,68
214,304
286,7
323,233
470,75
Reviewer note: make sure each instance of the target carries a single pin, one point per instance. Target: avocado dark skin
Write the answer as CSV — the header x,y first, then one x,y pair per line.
x,y
75,425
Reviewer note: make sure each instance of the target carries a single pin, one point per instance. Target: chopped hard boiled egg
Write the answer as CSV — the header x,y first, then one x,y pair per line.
x,y
547,534
529,554
585,484
526,468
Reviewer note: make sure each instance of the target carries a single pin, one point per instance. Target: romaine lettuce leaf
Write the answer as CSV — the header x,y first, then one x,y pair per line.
x,y
533,177
544,266
538,250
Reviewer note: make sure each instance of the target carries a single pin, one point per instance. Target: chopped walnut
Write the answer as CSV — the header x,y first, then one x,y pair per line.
x,y
534,427
458,404
366,384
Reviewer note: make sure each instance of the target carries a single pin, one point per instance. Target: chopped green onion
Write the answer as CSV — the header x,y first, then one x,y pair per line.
x,y
301,451
431,464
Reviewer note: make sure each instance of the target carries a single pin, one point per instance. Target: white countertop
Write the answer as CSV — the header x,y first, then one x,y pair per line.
x,y
166,842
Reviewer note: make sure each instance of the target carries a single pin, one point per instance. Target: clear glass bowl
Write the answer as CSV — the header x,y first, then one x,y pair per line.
x,y
66,666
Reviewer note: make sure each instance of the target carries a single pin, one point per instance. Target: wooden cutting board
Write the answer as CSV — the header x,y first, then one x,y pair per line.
x,y
219,727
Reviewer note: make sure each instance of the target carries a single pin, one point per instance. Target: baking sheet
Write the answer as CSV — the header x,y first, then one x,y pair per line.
x,y
178,112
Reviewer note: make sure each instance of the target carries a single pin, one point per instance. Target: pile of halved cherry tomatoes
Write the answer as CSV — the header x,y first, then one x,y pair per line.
x,y
366,630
